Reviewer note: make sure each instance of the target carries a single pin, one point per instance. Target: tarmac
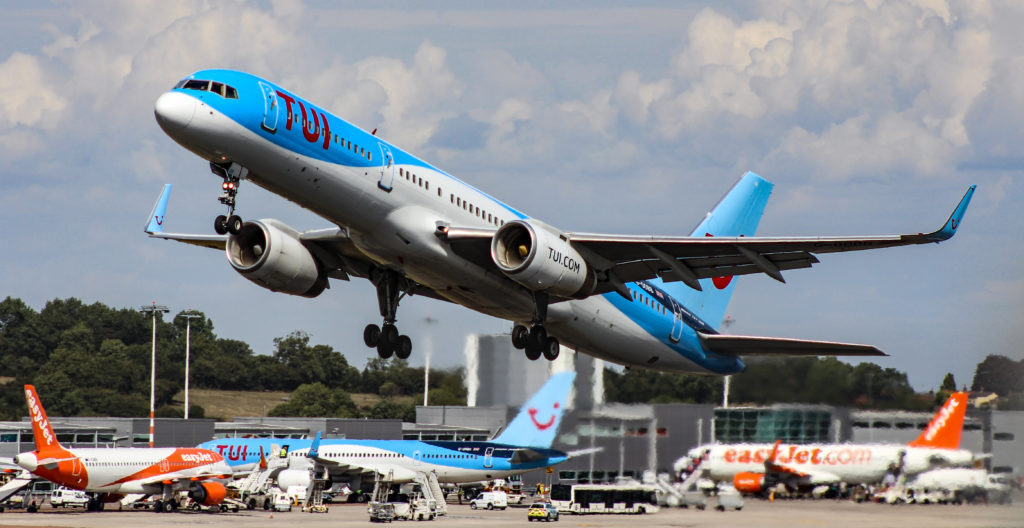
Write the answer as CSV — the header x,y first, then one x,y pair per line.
x,y
759,513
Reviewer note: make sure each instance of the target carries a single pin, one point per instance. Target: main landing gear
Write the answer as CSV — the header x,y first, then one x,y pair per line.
x,y
535,340
232,174
390,286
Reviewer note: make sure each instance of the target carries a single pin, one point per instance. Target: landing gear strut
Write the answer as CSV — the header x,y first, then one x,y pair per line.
x,y
232,174
385,338
535,340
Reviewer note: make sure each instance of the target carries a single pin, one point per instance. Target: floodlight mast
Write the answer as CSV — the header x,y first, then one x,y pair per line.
x,y
188,315
152,309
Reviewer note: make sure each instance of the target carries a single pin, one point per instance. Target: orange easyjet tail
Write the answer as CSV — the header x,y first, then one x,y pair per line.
x,y
943,432
46,440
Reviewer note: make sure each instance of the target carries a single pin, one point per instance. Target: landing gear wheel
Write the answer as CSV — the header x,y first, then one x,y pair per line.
x,y
158,506
389,335
404,347
520,336
371,335
384,350
220,225
234,224
538,337
532,353
551,349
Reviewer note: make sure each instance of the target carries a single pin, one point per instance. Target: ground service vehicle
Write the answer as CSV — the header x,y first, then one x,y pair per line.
x,y
604,498
490,500
542,511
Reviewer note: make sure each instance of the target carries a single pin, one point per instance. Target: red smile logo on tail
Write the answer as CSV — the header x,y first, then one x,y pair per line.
x,y
538,425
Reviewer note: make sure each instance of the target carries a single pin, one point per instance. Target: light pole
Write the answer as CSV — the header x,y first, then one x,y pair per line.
x,y
153,309
188,315
430,351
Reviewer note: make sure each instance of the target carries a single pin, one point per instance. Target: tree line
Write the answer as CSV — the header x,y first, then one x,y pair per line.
x,y
93,360
815,380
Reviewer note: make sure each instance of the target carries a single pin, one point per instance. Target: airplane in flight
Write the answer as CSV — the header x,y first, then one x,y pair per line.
x,y
524,445
413,229
753,468
110,473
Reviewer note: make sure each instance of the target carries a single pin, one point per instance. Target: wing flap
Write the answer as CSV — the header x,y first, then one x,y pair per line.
x,y
733,345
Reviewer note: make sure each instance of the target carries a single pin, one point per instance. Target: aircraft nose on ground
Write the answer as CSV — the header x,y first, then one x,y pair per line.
x,y
174,111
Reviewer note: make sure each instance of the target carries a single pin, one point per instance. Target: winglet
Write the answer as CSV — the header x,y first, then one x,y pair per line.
x,y
949,229
314,450
159,213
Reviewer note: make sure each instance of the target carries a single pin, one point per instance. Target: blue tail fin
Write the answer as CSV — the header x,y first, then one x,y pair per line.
x,y
737,214
538,420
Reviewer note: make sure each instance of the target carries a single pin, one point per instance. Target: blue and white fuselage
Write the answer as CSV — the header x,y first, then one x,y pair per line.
x,y
393,212
450,461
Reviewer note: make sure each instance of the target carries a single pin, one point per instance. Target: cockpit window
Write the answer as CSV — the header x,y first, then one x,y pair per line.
x,y
220,89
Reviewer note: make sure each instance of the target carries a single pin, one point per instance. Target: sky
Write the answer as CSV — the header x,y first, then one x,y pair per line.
x,y
871,117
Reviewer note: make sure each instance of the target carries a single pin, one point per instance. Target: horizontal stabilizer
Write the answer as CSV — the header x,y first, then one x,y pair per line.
x,y
733,345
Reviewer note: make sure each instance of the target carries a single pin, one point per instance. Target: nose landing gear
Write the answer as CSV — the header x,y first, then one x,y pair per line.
x,y
232,174
386,338
535,340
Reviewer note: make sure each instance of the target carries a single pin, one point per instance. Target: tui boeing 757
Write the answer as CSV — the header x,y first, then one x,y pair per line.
x,y
413,229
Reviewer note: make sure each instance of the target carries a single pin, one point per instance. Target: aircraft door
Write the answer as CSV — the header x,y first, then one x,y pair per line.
x,y
677,322
387,168
489,457
416,457
270,108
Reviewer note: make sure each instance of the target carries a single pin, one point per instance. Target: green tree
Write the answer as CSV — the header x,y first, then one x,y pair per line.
x,y
999,374
948,383
316,399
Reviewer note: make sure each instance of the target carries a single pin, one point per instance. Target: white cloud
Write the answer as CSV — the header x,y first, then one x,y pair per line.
x,y
28,95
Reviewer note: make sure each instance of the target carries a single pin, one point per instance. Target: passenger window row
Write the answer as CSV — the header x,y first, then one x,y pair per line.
x,y
476,211
338,140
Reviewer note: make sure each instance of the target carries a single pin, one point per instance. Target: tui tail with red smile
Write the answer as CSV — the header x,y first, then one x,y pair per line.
x,y
537,421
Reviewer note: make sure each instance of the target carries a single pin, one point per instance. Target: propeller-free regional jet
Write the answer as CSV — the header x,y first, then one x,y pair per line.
x,y
413,229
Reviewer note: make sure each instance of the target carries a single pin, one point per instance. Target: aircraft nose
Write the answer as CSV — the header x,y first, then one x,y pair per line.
x,y
174,111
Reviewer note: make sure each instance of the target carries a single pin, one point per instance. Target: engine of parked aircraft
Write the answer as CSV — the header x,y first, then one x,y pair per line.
x,y
270,254
539,258
748,482
208,493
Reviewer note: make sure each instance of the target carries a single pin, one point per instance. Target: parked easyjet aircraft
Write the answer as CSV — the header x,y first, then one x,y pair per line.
x,y
413,229
754,468
118,471
524,445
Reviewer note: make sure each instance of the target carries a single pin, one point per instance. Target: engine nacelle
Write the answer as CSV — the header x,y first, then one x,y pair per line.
x,y
745,482
270,254
208,493
540,259
293,477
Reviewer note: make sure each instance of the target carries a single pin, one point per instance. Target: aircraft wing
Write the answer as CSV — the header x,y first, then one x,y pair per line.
x,y
332,246
622,259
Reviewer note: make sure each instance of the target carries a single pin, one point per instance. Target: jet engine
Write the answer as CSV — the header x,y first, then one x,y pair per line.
x,y
745,482
537,257
297,477
208,493
271,254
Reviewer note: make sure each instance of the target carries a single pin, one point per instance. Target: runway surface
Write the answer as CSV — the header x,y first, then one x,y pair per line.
x,y
759,513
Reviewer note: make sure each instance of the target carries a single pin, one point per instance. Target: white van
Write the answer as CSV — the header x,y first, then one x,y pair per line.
x,y
490,500
63,498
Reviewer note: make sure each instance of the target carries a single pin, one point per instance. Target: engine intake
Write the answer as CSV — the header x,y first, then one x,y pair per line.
x,y
270,254
535,256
